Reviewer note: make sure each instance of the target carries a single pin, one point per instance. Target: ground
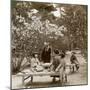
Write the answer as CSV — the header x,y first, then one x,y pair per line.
x,y
76,78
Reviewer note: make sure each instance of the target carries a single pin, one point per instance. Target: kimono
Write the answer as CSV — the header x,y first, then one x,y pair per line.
x,y
58,64
34,62
46,55
35,65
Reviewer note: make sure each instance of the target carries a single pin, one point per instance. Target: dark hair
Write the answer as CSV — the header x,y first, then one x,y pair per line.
x,y
56,51
62,55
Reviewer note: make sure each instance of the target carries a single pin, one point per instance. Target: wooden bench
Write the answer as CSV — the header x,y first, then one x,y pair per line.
x,y
32,74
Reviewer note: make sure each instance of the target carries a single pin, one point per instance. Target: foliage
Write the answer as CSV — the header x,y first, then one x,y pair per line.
x,y
33,23
75,20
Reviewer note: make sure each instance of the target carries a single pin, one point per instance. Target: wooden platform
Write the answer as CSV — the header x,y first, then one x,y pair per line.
x,y
25,74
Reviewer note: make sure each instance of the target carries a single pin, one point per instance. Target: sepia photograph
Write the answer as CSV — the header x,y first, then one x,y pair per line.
x,y
49,44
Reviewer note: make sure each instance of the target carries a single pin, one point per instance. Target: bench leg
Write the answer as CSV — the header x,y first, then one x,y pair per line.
x,y
70,69
31,78
23,80
65,78
60,78
73,68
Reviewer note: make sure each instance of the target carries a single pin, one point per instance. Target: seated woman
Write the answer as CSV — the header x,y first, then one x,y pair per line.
x,y
58,65
35,63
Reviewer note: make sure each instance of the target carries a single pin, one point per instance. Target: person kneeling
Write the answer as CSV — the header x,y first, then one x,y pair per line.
x,y
58,65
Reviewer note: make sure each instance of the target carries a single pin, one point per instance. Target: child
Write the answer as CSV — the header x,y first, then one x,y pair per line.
x,y
74,60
